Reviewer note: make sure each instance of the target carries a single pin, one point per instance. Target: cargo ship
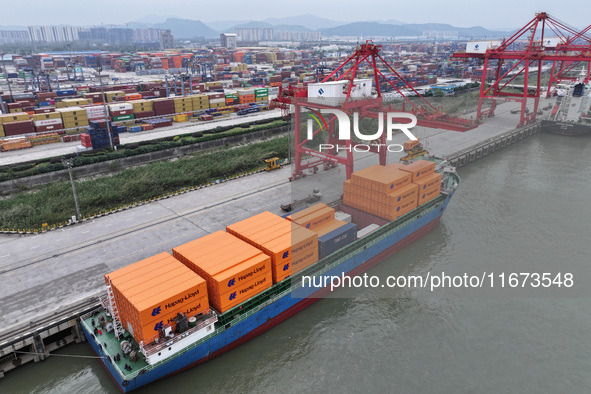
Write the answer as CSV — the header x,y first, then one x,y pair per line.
x,y
571,114
168,313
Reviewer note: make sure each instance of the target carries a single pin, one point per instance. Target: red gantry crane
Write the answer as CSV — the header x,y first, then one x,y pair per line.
x,y
364,106
543,39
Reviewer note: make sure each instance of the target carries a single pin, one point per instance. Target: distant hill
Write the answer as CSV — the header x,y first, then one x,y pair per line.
x,y
369,29
224,26
406,30
186,28
475,31
252,25
310,21
291,28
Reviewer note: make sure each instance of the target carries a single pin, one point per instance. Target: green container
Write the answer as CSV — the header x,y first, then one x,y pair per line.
x,y
122,117
2,76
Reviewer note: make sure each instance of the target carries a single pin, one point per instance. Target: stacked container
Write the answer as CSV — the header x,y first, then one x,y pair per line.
x,y
95,112
261,95
143,108
163,106
121,111
393,190
290,246
200,102
183,104
386,192
151,293
246,96
217,100
234,270
423,174
333,234
15,117
73,117
48,121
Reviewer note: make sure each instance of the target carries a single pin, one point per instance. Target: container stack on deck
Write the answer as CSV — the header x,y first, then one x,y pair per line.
x,y
151,293
290,246
234,270
391,191
333,234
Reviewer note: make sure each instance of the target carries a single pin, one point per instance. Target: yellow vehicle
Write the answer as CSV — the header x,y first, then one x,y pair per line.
x,y
413,149
272,164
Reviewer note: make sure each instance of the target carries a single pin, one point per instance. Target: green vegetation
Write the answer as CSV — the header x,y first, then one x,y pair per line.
x,y
54,204
54,164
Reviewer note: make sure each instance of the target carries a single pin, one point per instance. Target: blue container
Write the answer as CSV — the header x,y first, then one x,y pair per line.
x,y
336,239
44,104
135,129
65,92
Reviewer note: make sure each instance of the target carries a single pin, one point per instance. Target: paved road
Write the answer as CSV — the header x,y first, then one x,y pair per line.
x,y
41,273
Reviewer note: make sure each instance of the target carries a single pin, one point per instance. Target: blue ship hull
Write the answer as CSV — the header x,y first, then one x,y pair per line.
x,y
280,309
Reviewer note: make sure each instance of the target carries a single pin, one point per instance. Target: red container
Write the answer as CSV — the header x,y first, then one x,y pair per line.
x,y
85,140
52,127
44,110
147,127
145,114
163,124
120,113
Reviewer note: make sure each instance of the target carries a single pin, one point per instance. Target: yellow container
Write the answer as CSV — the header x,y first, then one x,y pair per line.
x,y
181,118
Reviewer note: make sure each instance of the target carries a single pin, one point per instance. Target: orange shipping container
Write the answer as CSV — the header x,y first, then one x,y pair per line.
x,y
223,260
419,169
328,227
315,219
428,181
405,193
150,304
228,300
309,210
428,195
136,268
150,331
303,260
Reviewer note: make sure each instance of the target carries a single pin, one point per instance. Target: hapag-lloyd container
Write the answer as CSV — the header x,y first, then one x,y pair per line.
x,y
428,181
419,169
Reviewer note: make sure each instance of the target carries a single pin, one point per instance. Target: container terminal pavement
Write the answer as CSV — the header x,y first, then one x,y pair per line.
x,y
42,273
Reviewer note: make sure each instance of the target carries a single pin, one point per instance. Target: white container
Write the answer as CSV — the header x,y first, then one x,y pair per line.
x,y
342,216
335,92
69,109
216,101
481,46
366,230
95,110
48,122
121,107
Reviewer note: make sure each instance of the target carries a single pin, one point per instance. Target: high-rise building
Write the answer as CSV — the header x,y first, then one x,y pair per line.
x,y
254,34
228,40
13,36
166,39
298,36
54,33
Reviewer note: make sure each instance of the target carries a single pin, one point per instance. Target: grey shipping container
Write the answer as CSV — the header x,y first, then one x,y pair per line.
x,y
336,239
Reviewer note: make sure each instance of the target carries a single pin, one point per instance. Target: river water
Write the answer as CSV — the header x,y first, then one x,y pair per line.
x,y
523,209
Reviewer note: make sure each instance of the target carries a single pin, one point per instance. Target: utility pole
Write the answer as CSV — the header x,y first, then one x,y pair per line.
x,y
68,163
99,69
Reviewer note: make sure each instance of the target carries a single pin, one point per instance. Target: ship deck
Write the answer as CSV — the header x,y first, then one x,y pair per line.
x,y
111,346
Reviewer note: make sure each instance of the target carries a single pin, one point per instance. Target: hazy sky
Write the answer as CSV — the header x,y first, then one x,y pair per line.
x,y
464,13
